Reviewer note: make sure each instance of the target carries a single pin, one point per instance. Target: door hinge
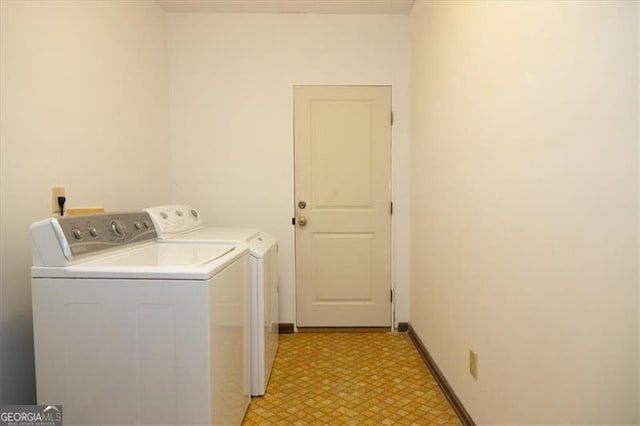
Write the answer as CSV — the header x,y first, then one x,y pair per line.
x,y
391,118
293,220
391,208
391,296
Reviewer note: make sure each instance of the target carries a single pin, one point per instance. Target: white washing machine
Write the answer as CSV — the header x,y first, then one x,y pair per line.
x,y
129,331
183,224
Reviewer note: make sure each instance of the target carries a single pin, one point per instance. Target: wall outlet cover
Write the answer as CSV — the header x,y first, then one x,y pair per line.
x,y
56,191
473,364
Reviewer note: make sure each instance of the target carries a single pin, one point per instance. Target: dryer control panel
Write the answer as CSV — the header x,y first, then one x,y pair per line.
x,y
172,220
84,235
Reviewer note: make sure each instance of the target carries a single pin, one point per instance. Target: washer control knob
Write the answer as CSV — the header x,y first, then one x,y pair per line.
x,y
179,213
194,213
93,232
77,234
164,215
147,225
137,225
117,228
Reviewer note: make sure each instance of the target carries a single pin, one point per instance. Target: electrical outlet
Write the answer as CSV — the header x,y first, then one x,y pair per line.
x,y
473,364
56,191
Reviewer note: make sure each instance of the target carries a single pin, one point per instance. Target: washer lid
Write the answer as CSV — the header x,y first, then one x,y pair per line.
x,y
157,261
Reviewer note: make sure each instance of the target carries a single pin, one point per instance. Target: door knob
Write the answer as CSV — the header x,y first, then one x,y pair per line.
x,y
302,221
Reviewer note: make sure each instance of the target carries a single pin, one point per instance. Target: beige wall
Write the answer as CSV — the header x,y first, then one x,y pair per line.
x,y
231,91
525,206
84,100
524,169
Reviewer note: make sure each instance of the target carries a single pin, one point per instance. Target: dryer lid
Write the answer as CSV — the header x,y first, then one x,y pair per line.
x,y
219,234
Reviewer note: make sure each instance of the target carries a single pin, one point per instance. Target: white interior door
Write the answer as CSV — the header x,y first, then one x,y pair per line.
x,y
342,196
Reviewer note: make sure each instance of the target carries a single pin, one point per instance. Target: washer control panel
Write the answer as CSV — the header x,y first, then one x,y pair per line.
x,y
89,234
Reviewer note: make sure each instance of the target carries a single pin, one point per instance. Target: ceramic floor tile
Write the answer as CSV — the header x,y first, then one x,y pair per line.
x,y
350,378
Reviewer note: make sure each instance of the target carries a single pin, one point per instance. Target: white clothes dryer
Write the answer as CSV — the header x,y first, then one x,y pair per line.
x,y
129,331
183,224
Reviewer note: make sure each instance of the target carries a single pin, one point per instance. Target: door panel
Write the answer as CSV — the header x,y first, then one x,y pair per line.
x,y
343,267
342,127
343,166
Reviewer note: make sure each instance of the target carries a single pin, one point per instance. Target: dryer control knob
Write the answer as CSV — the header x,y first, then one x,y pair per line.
x,y
137,225
146,224
164,215
179,213
77,234
194,213
93,232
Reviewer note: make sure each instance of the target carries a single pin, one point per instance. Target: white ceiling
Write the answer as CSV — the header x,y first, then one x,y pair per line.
x,y
402,7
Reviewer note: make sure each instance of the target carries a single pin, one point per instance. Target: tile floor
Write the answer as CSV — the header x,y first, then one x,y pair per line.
x,y
350,379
